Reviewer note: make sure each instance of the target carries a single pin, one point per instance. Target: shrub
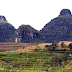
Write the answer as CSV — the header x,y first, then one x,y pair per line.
x,y
48,47
36,50
23,47
54,45
20,53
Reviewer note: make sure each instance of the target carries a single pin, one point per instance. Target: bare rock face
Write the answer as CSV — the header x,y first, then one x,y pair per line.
x,y
59,28
26,34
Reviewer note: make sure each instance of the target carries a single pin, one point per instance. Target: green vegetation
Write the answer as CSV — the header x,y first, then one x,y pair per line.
x,y
42,59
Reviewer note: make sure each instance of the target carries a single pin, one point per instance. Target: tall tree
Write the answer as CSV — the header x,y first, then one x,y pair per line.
x,y
70,46
54,45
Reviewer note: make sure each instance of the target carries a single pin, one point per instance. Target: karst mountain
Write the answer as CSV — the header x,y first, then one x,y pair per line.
x,y
25,34
58,29
6,29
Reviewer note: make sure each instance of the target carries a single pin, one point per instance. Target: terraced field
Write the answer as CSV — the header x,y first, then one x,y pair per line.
x,y
22,57
14,46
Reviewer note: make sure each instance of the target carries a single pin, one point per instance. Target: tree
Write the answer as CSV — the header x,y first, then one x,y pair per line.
x,y
59,61
70,46
54,45
46,46
65,57
62,44
55,60
23,47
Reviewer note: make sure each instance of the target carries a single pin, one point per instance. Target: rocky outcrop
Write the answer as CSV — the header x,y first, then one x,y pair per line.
x,y
26,34
2,18
65,12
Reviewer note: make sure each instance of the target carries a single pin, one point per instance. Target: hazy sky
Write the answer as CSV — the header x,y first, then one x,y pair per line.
x,y
35,13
